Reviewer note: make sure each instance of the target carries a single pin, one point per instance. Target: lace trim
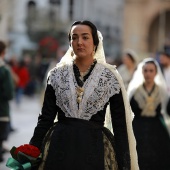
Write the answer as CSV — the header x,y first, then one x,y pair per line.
x,y
98,88
146,103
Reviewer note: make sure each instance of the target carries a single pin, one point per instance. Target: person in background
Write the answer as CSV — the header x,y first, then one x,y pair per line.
x,y
164,59
148,100
79,89
128,66
6,94
23,74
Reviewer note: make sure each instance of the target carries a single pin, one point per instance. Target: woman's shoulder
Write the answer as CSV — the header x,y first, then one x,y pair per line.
x,y
58,66
113,70
4,70
122,68
109,67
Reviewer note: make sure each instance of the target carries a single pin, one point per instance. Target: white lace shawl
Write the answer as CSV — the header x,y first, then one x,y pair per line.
x,y
98,88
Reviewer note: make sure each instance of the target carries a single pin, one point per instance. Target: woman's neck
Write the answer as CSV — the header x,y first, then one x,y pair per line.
x,y
149,85
131,67
84,64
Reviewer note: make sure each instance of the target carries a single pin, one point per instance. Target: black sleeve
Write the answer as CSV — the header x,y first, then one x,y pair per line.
x,y
135,107
168,107
120,131
46,118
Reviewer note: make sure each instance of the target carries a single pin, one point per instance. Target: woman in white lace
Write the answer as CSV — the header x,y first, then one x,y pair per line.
x,y
78,91
148,99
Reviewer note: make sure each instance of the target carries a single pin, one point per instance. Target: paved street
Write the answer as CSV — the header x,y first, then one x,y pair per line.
x,y
24,119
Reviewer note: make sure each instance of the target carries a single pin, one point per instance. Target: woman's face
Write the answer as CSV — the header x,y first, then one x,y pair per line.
x,y
163,60
127,60
82,41
149,72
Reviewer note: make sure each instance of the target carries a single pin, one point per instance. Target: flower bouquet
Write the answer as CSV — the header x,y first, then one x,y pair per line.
x,y
24,157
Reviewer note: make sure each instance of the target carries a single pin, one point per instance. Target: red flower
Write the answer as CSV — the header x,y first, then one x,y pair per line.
x,y
29,150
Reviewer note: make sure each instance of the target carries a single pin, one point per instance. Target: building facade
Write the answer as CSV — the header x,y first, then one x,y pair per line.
x,y
30,19
146,25
142,25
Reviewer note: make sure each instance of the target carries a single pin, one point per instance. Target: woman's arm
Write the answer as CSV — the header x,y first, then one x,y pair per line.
x,y
46,117
168,107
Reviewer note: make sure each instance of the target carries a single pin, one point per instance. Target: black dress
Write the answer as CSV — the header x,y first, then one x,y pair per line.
x,y
153,142
77,143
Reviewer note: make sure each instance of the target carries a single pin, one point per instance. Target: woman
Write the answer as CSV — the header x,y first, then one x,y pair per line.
x,y
148,100
78,91
127,68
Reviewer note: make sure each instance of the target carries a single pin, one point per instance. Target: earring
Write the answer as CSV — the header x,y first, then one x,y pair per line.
x,y
72,53
93,53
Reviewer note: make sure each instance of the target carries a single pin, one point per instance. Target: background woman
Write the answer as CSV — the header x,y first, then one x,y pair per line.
x,y
128,66
147,93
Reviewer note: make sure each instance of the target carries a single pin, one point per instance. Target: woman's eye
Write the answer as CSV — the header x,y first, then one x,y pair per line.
x,y
85,38
73,38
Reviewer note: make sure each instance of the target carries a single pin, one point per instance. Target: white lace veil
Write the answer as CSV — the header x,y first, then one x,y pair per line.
x,y
100,57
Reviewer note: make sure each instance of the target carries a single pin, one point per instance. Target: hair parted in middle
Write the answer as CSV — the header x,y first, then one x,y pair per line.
x,y
93,29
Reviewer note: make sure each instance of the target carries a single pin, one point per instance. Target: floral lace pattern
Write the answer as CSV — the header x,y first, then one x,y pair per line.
x,y
98,88
148,106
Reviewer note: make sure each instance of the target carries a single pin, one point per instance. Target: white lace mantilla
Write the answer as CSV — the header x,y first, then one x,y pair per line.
x,y
98,88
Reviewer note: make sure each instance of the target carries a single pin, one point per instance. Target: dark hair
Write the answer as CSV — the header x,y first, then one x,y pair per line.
x,y
93,28
151,62
2,47
165,54
131,57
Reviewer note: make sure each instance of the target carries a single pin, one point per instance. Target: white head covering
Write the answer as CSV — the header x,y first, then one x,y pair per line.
x,y
133,54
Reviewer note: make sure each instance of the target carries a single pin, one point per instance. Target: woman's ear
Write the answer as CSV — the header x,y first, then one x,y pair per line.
x,y
95,48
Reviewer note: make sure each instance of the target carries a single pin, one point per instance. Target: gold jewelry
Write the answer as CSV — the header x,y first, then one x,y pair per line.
x,y
72,53
84,73
93,53
150,103
80,92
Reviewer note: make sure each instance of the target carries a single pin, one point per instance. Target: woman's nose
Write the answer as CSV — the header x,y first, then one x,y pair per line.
x,y
79,41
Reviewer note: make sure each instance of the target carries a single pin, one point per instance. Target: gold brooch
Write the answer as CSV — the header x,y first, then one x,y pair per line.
x,y
80,92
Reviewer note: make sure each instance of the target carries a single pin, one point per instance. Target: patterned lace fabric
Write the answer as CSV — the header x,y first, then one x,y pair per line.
x,y
98,88
148,106
109,155
46,145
